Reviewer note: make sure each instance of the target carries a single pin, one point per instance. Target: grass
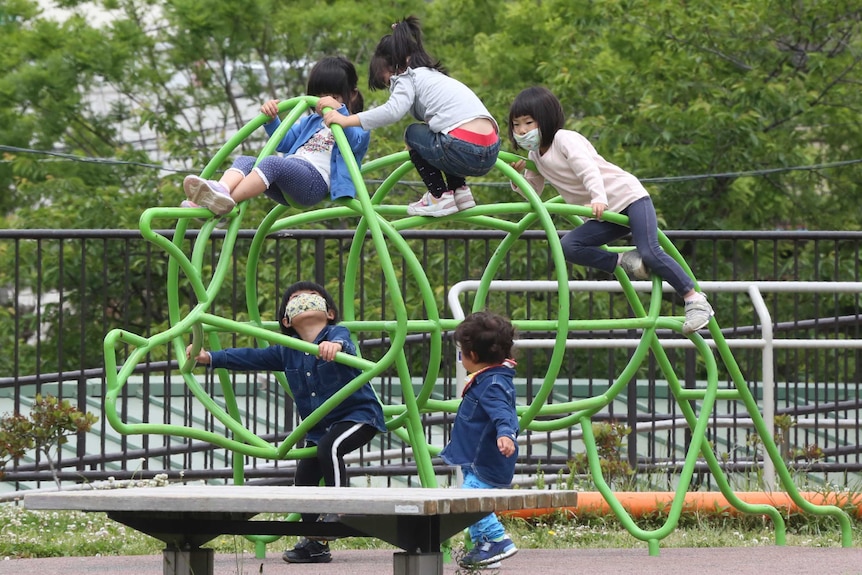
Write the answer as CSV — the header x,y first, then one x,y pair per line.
x,y
27,534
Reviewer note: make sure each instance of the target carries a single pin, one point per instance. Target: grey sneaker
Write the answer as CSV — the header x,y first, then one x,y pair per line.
x,y
208,193
464,198
436,207
633,265
697,314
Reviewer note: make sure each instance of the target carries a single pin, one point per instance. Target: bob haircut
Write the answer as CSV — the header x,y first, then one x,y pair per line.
x,y
305,286
545,108
398,50
488,335
336,75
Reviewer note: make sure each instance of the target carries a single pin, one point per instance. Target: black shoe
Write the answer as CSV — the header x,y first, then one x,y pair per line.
x,y
308,551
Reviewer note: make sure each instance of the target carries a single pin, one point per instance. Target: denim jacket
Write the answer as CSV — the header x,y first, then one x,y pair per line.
x,y
311,379
487,411
341,185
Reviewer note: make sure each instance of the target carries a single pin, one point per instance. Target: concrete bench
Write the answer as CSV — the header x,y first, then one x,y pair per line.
x,y
416,520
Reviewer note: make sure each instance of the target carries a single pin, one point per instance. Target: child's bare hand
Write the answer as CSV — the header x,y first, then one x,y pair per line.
x,y
506,446
333,117
519,165
598,210
327,102
203,355
270,108
328,349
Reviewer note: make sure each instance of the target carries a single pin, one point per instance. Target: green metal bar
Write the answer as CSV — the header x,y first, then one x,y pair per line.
x,y
383,223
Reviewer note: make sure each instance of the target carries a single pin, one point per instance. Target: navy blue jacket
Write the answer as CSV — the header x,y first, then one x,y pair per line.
x,y
311,379
487,411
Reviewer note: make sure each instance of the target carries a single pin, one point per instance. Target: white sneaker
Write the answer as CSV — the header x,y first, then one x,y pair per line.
x,y
190,204
464,198
697,314
434,207
634,266
209,194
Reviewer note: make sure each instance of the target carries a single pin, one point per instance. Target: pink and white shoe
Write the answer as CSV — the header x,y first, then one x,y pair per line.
x,y
434,207
209,194
464,198
190,204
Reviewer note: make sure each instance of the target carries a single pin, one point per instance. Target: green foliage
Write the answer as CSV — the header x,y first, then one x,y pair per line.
x,y
663,89
15,438
50,423
609,443
29,534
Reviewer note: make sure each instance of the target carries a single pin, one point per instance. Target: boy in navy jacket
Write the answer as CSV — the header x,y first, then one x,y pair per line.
x,y
484,436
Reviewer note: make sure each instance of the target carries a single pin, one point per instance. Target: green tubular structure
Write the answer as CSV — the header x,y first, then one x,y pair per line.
x,y
378,231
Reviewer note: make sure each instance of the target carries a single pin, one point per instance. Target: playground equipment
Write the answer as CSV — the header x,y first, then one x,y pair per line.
x,y
383,223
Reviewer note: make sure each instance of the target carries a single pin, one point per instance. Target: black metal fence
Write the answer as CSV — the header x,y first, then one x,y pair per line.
x,y
61,291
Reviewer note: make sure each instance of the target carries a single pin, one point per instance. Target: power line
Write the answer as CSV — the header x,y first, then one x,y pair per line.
x,y
667,179
87,159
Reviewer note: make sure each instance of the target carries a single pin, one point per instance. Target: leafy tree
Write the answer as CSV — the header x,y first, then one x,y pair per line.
x,y
672,90
666,90
47,429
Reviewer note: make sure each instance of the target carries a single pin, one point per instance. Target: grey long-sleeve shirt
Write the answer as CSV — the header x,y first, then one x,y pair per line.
x,y
429,96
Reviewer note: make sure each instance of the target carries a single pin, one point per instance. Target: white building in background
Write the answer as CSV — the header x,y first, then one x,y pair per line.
x,y
214,125
96,15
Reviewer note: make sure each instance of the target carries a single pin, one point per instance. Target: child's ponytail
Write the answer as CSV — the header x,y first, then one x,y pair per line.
x,y
407,48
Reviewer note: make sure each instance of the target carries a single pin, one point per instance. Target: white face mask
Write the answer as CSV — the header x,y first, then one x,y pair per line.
x,y
530,141
304,302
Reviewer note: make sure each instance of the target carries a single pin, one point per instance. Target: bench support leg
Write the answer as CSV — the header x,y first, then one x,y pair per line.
x,y
418,564
187,561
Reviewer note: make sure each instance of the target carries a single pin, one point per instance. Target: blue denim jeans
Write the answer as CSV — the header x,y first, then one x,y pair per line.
x,y
451,155
581,245
489,527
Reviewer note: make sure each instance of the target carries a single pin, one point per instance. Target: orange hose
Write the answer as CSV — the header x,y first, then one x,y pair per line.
x,y
639,504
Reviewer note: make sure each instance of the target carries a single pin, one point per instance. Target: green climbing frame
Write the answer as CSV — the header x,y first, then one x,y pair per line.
x,y
384,224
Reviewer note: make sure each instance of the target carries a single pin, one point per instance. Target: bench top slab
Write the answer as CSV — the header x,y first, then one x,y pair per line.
x,y
289,499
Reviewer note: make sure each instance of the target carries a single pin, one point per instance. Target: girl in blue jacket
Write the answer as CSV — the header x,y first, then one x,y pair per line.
x,y
484,436
308,312
313,167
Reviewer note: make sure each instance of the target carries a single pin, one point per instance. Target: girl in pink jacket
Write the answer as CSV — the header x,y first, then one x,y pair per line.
x,y
572,165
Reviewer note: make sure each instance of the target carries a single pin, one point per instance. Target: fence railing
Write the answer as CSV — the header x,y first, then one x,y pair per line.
x,y
767,343
61,291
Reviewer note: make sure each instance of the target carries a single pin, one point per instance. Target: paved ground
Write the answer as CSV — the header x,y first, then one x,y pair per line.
x,y
700,561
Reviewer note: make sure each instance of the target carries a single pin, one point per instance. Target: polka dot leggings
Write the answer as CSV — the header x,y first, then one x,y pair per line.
x,y
288,179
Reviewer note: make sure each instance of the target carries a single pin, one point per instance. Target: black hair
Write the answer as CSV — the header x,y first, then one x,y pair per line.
x,y
395,51
305,286
488,335
336,75
545,108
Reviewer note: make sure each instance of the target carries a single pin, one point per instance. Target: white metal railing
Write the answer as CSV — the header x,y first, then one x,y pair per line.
x,y
754,289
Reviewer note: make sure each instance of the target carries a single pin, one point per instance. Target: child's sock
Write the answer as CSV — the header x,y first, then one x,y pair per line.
x,y
697,296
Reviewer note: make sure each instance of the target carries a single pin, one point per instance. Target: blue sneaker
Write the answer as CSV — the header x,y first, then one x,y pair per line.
x,y
486,553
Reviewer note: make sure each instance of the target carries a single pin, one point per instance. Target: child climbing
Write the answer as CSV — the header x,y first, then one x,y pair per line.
x,y
457,136
308,312
313,167
569,161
